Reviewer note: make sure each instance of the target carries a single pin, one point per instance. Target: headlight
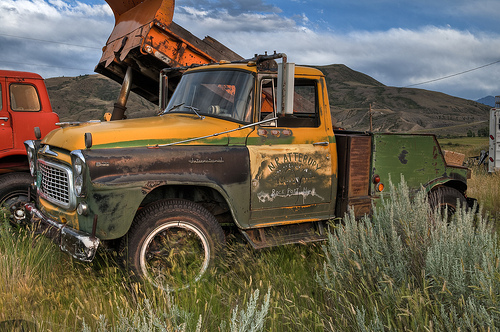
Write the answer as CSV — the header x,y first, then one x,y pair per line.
x,y
78,166
78,162
30,151
78,185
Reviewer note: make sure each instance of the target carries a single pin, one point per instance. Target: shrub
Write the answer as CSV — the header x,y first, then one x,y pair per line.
x,y
407,268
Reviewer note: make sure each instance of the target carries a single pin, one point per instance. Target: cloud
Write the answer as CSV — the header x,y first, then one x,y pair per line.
x,y
40,23
232,7
397,57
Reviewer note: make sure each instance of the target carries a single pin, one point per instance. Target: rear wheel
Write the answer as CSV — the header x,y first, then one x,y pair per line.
x,y
172,243
446,199
14,189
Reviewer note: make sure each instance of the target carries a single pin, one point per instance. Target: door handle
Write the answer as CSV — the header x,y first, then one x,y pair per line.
x,y
321,143
4,118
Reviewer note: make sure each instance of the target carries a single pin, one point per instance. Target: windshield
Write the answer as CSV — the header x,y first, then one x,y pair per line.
x,y
222,93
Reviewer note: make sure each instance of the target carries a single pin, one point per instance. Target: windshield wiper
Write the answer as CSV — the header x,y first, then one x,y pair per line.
x,y
192,108
195,110
170,109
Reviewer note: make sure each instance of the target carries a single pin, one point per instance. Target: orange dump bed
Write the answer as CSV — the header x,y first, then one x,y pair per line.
x,y
146,39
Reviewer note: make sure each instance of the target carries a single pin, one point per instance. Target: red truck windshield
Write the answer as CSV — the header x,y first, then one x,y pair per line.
x,y
222,93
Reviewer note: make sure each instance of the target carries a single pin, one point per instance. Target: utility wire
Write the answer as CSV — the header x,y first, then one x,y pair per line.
x,y
453,75
40,65
50,41
46,41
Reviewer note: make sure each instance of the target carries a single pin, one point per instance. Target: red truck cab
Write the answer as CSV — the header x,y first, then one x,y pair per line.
x,y
24,105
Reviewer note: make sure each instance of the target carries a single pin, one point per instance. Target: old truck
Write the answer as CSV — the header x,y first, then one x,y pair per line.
x,y
246,145
24,105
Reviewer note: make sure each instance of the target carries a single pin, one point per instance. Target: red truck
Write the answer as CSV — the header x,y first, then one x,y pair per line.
x,y
24,105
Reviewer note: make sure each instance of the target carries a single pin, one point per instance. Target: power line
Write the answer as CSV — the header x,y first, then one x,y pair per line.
x,y
50,41
40,65
453,75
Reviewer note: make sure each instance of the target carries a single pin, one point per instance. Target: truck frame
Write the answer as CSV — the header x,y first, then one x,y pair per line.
x,y
246,145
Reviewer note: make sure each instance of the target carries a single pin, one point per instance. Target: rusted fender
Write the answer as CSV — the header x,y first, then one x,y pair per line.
x,y
120,179
417,157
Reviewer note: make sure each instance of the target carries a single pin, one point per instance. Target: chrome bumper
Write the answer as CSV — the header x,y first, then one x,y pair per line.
x,y
80,245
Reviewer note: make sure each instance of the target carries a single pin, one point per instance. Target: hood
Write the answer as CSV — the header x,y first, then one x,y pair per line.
x,y
169,128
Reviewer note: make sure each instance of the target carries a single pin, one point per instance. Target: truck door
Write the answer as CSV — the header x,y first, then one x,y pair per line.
x,y
290,160
25,108
6,140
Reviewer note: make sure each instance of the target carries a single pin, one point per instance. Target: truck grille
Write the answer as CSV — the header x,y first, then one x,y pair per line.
x,y
55,183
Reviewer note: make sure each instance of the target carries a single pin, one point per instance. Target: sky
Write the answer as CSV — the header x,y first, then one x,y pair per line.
x,y
450,46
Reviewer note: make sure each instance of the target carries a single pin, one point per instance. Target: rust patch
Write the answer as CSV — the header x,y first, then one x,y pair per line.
x,y
402,157
274,132
150,185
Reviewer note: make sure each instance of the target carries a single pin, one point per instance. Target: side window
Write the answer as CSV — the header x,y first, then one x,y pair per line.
x,y
268,101
304,101
305,104
24,97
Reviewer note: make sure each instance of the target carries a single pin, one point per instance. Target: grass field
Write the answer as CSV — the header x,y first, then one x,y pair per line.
x,y
482,186
470,146
400,271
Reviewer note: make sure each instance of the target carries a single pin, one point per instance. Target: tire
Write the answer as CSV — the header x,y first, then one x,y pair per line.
x,y
172,243
14,189
446,198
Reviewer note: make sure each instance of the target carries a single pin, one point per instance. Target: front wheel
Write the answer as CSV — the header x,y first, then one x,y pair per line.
x,y
172,243
14,189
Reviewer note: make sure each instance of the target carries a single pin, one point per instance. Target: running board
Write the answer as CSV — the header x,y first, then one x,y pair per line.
x,y
288,234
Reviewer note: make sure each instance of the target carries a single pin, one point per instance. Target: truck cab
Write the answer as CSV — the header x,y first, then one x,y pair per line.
x,y
24,105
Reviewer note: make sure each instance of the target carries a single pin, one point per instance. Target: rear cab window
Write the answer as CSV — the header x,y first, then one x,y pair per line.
x,y
24,98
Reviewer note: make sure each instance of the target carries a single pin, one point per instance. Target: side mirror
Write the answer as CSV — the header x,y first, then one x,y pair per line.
x,y
286,76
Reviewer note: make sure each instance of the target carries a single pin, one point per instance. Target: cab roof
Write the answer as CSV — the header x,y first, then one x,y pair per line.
x,y
299,70
19,74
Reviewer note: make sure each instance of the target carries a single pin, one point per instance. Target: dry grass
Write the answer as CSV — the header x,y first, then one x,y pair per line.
x,y
39,284
483,186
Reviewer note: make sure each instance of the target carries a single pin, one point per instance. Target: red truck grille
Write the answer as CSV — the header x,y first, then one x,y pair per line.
x,y
55,183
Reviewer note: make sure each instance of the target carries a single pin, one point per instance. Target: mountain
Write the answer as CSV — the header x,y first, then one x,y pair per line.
x,y
350,93
488,100
398,109
88,97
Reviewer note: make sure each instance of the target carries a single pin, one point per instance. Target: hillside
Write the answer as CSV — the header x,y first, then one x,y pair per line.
x,y
350,92
88,97
398,109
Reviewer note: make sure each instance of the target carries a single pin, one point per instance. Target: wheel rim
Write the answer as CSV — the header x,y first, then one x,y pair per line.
x,y
15,203
174,255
